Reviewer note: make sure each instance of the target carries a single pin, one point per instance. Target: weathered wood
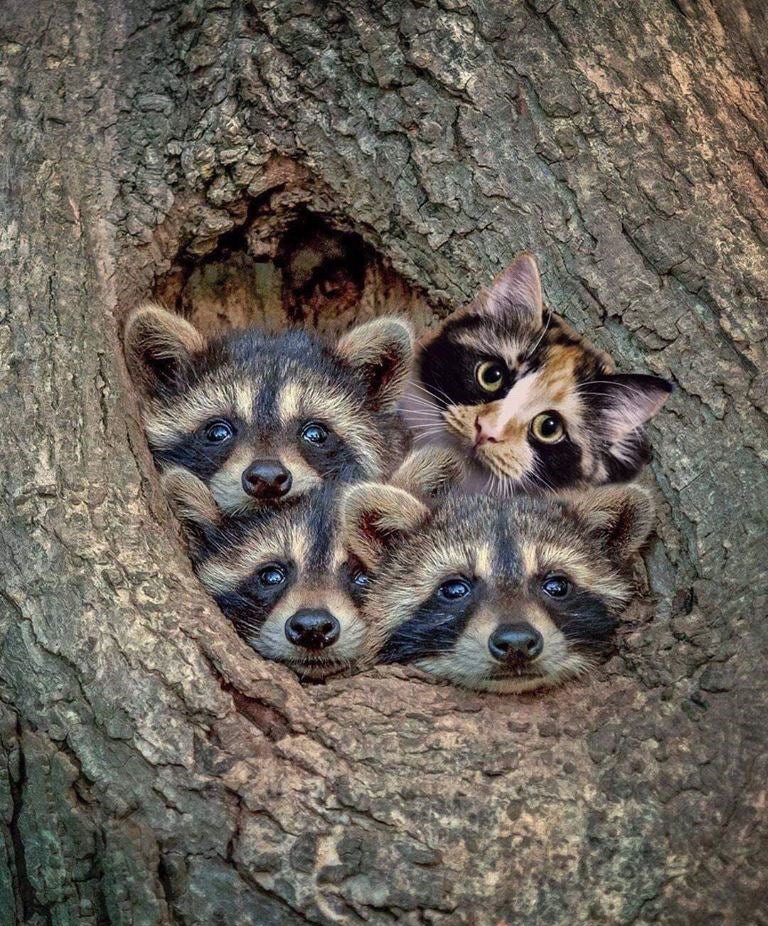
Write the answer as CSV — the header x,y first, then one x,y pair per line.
x,y
152,771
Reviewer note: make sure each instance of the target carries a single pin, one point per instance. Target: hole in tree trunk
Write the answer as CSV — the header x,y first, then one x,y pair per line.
x,y
284,266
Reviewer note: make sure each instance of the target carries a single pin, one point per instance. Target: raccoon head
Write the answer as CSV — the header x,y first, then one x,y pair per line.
x,y
262,418
287,578
533,405
495,598
282,577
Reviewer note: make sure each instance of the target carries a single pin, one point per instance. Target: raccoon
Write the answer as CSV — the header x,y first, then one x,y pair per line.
x,y
263,418
284,577
534,406
496,598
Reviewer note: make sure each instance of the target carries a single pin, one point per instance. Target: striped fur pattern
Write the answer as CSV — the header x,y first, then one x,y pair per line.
x,y
228,406
532,404
449,582
266,568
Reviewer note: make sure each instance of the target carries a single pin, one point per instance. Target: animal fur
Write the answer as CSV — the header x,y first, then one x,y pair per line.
x,y
508,557
543,373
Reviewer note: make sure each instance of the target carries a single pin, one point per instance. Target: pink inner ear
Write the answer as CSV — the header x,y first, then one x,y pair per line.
x,y
630,401
516,293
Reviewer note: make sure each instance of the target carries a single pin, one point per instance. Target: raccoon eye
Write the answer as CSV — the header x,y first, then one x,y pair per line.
x,y
360,579
490,375
314,433
556,586
218,431
273,575
548,427
454,589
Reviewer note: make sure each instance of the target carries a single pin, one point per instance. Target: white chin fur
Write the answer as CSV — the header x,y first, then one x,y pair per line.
x,y
478,679
272,644
233,500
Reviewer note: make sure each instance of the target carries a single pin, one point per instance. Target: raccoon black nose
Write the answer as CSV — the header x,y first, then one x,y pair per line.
x,y
312,629
515,643
266,479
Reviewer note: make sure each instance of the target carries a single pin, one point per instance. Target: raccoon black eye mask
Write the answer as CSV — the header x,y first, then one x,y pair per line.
x,y
264,418
496,599
533,405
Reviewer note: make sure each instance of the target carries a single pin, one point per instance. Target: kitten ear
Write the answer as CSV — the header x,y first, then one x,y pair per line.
x,y
191,499
625,401
429,472
381,351
515,294
375,518
159,346
620,517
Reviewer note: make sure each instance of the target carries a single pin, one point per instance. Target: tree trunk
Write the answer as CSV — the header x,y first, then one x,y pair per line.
x,y
321,161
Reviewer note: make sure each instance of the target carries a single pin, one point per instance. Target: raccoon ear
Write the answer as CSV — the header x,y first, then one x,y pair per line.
x,y
158,347
374,518
191,499
515,294
381,351
429,472
621,517
625,401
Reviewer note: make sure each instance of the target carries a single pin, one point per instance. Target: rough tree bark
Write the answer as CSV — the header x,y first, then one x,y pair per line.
x,y
152,770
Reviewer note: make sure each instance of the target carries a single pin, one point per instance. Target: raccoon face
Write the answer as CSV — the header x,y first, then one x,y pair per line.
x,y
503,599
533,405
263,418
282,577
286,578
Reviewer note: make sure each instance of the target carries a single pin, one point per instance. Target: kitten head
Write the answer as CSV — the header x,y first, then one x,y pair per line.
x,y
262,418
495,598
534,405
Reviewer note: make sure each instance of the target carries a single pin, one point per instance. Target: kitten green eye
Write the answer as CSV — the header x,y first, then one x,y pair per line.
x,y
490,375
548,427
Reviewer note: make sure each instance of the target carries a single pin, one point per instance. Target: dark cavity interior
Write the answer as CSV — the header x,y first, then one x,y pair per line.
x,y
284,267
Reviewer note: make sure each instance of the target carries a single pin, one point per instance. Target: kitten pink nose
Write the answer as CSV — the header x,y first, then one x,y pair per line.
x,y
485,433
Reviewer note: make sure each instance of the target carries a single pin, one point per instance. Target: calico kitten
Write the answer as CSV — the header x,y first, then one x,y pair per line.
x,y
496,598
533,404
263,418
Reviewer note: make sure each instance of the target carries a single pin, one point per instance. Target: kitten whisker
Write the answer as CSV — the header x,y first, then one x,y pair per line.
x,y
438,396
529,353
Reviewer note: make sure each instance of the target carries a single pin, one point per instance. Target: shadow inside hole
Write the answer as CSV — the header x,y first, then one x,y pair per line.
x,y
291,270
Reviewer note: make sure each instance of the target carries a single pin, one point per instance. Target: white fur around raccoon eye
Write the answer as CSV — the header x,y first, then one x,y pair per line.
x,y
490,375
548,427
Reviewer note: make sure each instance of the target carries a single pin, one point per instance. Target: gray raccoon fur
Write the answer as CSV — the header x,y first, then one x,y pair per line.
x,y
504,598
263,418
265,569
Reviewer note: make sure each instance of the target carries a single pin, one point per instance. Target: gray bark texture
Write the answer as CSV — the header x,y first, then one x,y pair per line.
x,y
322,161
